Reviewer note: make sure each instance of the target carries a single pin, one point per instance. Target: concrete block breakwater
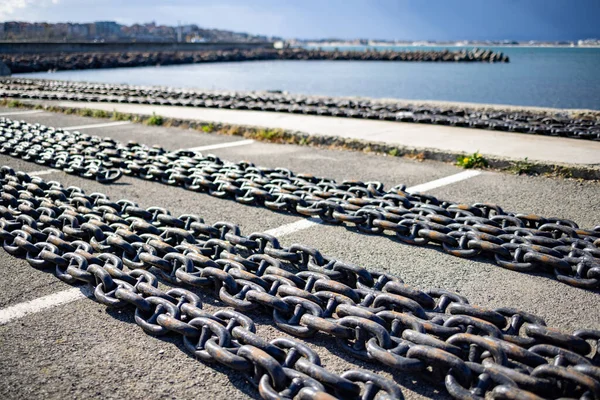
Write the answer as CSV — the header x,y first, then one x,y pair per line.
x,y
551,123
19,63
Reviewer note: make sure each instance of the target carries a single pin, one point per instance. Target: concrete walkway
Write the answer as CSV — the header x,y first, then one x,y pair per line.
x,y
421,136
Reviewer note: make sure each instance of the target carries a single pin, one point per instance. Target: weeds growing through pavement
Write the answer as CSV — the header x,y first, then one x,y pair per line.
x,y
208,128
14,104
475,160
522,167
154,120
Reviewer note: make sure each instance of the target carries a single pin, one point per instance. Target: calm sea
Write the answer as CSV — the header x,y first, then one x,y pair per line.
x,y
547,77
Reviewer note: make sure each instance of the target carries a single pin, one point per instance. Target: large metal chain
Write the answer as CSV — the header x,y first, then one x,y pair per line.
x,y
516,241
523,122
505,352
41,225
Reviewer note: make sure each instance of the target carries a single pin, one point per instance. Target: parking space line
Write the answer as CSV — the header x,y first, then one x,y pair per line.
x,y
293,227
42,303
43,172
222,145
107,124
461,176
21,112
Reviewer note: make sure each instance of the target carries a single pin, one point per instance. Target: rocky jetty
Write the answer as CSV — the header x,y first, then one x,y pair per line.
x,y
19,63
537,122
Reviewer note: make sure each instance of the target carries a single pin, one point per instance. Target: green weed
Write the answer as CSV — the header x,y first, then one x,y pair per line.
x,y
522,167
394,152
118,116
269,135
99,114
14,104
154,120
475,160
208,128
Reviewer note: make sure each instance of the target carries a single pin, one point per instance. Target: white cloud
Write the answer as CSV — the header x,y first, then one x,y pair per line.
x,y
9,9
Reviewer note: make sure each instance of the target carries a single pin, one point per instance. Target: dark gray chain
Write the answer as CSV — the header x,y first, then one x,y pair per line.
x,y
523,122
505,352
520,242
227,337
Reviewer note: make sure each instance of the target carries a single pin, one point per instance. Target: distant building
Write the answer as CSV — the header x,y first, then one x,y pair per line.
x,y
107,28
588,43
110,31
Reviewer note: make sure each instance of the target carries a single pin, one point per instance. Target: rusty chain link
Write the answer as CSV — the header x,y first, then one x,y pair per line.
x,y
522,122
503,353
520,242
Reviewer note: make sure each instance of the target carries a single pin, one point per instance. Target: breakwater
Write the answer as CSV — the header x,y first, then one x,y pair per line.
x,y
37,62
551,123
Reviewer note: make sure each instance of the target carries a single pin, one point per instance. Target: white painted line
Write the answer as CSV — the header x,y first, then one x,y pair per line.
x,y
21,112
461,176
222,145
293,227
107,124
44,172
43,303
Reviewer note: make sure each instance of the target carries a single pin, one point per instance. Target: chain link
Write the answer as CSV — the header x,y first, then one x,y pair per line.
x,y
522,122
516,241
436,334
41,227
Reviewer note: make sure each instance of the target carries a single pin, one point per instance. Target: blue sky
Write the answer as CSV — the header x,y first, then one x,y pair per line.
x,y
378,19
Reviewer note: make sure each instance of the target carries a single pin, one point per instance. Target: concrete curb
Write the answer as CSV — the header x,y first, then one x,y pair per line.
x,y
516,166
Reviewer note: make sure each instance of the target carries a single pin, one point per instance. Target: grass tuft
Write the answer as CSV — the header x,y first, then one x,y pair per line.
x,y
269,135
119,116
523,167
475,160
14,104
100,114
208,128
154,120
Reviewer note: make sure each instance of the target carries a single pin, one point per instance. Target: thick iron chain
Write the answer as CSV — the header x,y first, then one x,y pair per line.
x,y
523,122
505,352
226,336
520,242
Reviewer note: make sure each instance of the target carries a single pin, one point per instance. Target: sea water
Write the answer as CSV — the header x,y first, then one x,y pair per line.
x,y
559,77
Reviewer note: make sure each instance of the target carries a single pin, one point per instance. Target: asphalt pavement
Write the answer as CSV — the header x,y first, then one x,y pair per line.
x,y
81,350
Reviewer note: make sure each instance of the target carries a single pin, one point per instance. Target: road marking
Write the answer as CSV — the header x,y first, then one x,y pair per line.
x,y
222,145
21,112
44,172
67,296
294,227
461,176
107,124
43,303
